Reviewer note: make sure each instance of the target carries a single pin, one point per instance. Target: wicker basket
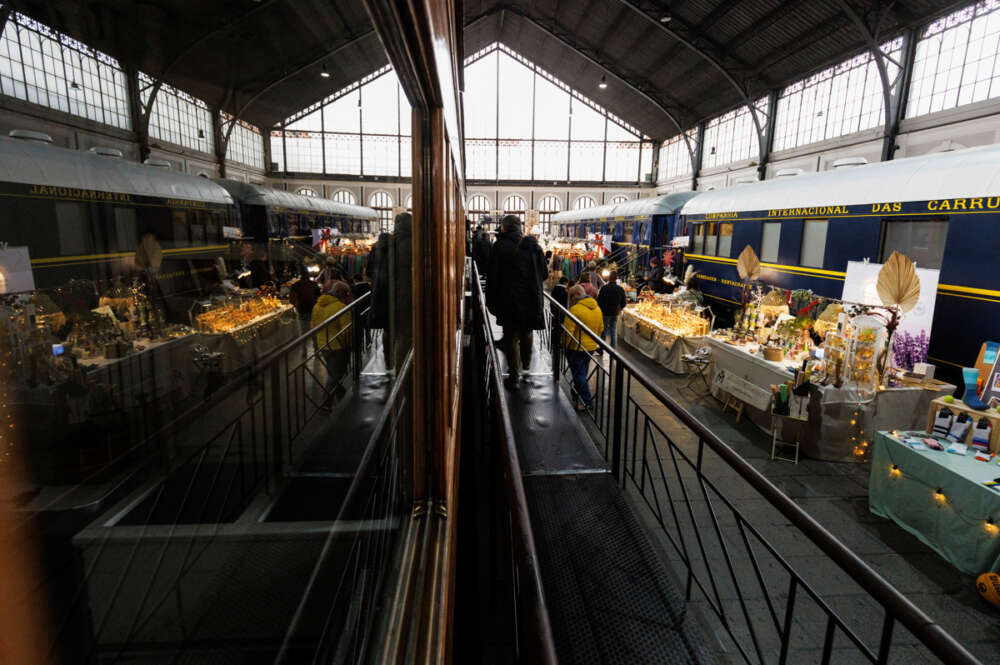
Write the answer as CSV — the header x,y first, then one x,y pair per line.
x,y
774,353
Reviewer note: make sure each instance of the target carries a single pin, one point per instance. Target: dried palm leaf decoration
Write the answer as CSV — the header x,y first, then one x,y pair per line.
x,y
149,254
898,283
688,275
748,265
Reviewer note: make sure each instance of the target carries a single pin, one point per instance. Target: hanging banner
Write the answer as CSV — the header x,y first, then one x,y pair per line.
x,y
601,242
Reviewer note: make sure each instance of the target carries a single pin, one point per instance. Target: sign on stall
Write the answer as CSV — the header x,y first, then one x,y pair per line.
x,y
743,390
860,286
15,270
680,241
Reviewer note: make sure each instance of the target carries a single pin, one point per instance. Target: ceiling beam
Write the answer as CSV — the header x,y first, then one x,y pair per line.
x,y
716,15
643,89
288,75
800,42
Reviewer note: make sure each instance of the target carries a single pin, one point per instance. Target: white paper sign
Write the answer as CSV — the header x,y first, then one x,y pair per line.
x,y
743,390
15,270
860,286
681,241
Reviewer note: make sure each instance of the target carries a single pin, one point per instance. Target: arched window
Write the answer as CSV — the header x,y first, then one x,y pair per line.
x,y
409,203
548,206
345,196
619,199
306,191
382,203
585,202
479,206
515,205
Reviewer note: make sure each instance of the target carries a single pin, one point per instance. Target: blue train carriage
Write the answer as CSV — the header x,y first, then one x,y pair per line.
x,y
279,224
82,215
941,210
639,228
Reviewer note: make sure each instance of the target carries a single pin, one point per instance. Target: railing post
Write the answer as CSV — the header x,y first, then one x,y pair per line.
x,y
618,418
276,418
357,337
555,341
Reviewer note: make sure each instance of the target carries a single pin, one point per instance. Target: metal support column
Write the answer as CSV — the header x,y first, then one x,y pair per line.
x,y
767,145
699,149
137,115
218,142
901,95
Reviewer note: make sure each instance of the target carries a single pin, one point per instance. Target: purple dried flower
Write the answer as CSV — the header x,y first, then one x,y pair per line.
x,y
907,349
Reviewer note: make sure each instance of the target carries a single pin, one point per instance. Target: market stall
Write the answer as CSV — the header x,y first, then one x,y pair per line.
x,y
948,501
663,332
838,418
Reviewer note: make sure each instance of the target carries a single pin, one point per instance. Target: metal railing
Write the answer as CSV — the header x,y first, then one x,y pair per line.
x,y
211,462
686,478
533,641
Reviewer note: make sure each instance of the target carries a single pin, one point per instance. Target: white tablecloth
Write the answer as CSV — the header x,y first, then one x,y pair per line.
x,y
830,409
665,347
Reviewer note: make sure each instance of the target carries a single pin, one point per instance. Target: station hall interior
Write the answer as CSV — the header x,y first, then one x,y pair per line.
x,y
477,332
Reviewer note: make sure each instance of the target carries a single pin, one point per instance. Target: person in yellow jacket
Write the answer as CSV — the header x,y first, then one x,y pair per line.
x,y
333,341
579,343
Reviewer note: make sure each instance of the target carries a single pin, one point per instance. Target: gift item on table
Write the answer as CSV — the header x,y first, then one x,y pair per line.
x,y
981,434
970,375
942,423
782,395
916,445
960,427
957,449
984,456
933,444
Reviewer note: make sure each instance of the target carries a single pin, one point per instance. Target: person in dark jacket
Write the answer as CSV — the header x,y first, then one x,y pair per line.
x,y
560,293
303,296
654,278
612,301
401,283
514,294
481,248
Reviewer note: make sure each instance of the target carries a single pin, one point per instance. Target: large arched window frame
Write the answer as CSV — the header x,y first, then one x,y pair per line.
x,y
515,205
619,199
548,206
479,206
345,196
381,202
306,191
584,202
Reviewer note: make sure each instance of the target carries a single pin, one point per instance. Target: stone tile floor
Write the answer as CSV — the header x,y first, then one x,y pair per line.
x,y
836,495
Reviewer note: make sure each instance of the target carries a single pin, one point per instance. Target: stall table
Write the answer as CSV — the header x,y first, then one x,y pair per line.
x,y
953,524
830,409
662,345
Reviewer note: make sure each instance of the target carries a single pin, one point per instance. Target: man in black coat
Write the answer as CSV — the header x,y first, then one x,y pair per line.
x,y
481,249
514,293
612,301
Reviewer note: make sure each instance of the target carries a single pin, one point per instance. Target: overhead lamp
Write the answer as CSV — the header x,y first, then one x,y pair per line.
x,y
666,18
712,151
325,73
201,134
74,85
604,83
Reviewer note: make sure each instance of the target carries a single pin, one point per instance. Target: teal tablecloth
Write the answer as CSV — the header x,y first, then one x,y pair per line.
x,y
956,527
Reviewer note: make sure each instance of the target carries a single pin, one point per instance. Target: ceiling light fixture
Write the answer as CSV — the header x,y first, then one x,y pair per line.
x,y
604,83
325,73
201,134
74,85
666,18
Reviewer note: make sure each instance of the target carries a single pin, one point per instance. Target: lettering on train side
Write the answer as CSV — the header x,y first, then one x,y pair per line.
x,y
721,215
887,207
77,193
808,212
990,203
184,203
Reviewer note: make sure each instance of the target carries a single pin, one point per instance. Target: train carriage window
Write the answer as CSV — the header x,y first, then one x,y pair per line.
x,y
212,231
699,239
180,224
725,240
770,236
197,228
125,229
813,243
711,239
74,229
919,239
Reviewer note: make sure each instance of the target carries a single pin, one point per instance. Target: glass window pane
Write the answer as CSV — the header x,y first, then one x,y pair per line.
x,y
622,162
770,237
380,155
304,151
380,108
125,229
921,240
74,229
343,154
551,110
725,240
587,124
515,160
551,160
711,239
813,243
586,161
515,98
343,114
481,98
312,122
481,159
